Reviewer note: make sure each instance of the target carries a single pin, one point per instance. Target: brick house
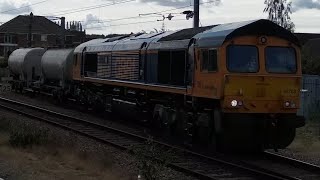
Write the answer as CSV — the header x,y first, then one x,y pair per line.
x,y
44,33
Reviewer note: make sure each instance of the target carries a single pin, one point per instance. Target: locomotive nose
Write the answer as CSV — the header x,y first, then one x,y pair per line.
x,y
262,94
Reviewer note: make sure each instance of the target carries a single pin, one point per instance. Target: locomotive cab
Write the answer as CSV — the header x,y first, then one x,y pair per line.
x,y
252,74
262,88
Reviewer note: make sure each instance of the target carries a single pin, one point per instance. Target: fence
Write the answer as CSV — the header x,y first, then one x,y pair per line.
x,y
310,96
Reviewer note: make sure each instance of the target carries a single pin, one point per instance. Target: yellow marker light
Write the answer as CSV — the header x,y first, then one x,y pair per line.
x,y
263,40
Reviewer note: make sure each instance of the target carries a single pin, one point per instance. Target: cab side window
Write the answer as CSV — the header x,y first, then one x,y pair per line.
x,y
209,60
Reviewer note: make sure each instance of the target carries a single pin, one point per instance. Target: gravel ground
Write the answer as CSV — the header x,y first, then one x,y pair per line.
x,y
310,157
120,160
43,101
306,146
297,150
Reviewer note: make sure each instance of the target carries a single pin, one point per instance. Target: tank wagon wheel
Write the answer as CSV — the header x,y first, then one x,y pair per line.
x,y
58,96
20,89
13,87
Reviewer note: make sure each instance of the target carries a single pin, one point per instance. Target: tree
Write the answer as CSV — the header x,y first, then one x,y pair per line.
x,y
279,12
310,62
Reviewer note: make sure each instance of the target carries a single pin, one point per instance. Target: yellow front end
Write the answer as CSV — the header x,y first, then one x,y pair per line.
x,y
262,76
261,91
261,94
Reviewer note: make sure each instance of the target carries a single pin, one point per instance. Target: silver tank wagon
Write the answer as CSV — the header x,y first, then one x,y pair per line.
x,y
57,66
25,64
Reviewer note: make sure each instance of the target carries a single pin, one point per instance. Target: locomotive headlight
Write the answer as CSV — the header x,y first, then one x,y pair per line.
x,y
234,103
287,104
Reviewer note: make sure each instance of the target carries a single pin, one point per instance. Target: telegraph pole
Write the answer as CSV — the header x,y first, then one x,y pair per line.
x,y
196,13
30,30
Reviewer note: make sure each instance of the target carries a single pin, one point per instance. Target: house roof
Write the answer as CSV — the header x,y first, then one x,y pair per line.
x,y
40,24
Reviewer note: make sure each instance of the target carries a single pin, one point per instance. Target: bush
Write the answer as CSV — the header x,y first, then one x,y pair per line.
x,y
5,125
24,135
315,117
310,63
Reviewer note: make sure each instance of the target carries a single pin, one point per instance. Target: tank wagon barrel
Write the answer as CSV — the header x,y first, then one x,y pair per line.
x,y
24,65
56,66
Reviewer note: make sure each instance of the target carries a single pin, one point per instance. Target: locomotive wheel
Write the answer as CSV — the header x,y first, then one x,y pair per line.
x,y
179,125
240,134
284,137
163,120
156,120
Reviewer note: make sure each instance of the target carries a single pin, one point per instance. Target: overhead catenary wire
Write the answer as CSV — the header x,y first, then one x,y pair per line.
x,y
125,18
87,8
147,15
178,8
124,24
14,9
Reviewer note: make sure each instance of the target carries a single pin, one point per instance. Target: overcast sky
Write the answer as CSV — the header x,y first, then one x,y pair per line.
x,y
111,14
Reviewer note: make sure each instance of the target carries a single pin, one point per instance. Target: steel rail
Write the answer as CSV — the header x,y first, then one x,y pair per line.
x,y
99,133
294,162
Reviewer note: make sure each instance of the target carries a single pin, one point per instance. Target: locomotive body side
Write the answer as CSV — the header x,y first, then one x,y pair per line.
x,y
236,84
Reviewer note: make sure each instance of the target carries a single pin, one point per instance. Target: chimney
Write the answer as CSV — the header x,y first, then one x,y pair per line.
x,y
63,27
63,22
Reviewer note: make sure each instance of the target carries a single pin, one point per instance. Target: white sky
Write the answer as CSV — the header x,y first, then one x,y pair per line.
x,y
306,15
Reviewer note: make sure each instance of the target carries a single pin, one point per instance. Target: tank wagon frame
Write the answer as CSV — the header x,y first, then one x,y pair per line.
x,y
228,85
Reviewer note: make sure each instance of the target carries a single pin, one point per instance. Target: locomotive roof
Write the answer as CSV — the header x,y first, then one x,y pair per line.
x,y
127,43
81,47
217,35
209,36
186,33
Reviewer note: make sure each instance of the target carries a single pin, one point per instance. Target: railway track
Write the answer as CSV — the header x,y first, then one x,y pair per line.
x,y
197,165
311,171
